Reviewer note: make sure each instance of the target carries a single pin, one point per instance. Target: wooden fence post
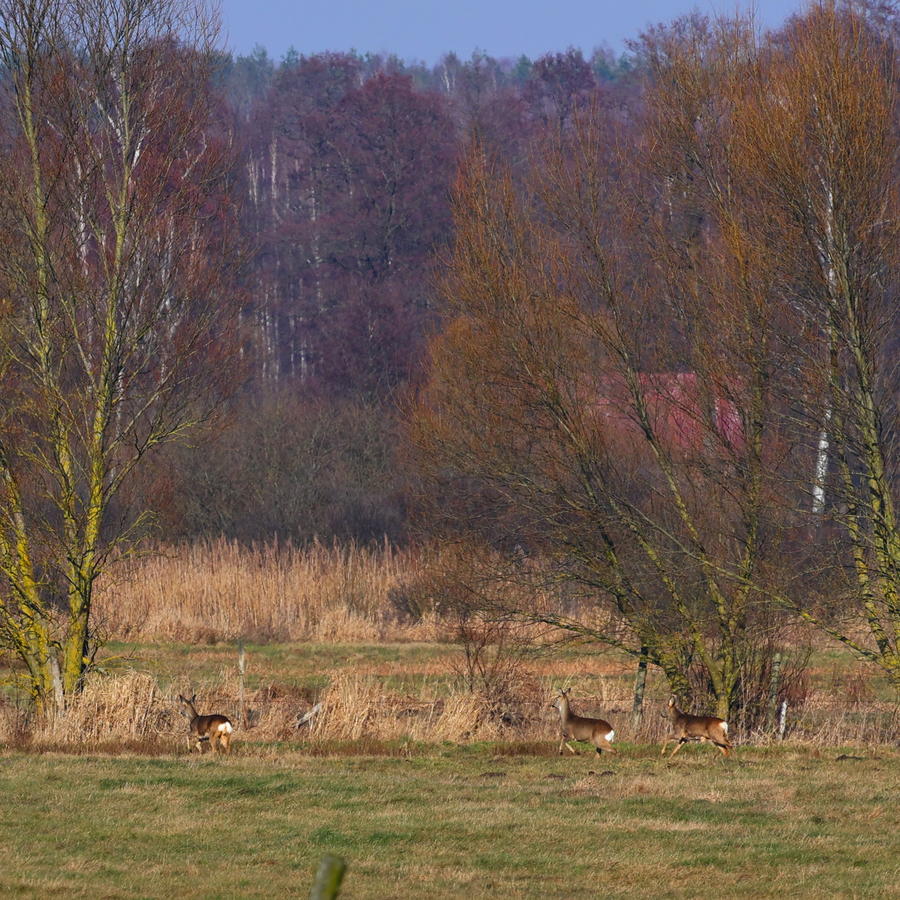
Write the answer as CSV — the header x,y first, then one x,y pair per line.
x,y
640,682
328,878
782,720
241,682
774,684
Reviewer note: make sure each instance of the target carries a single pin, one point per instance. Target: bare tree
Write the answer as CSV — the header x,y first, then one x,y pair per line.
x,y
585,411
657,359
115,235
667,336
820,131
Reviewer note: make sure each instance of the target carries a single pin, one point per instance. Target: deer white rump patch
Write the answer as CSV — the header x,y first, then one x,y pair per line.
x,y
725,727
611,735
226,727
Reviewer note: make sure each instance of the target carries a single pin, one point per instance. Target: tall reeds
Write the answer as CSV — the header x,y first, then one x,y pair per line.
x,y
221,590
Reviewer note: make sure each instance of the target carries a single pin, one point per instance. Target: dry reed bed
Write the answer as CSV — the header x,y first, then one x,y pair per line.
x,y
220,590
130,711
123,709
130,708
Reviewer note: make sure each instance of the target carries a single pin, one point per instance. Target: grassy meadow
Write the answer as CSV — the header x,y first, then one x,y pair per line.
x,y
454,821
407,770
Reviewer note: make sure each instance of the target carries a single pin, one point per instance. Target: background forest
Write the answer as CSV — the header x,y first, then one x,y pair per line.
x,y
344,175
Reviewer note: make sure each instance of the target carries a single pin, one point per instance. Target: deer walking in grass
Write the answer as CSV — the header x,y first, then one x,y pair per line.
x,y
579,728
208,728
696,728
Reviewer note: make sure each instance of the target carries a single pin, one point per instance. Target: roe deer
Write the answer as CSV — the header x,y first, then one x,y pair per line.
x,y
579,728
208,728
696,728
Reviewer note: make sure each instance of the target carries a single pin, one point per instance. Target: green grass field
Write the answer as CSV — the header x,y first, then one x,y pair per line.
x,y
416,817
453,821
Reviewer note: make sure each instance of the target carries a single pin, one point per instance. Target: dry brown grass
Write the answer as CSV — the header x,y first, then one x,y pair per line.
x,y
356,706
221,590
130,711
830,720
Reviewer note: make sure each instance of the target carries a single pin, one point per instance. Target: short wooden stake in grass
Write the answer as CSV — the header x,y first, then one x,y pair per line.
x,y
774,684
328,878
58,695
241,682
640,682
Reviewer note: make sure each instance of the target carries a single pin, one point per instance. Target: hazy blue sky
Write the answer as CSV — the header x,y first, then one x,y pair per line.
x,y
425,29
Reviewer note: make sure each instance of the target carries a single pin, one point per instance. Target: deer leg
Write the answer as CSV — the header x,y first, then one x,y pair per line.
x,y
607,746
562,743
572,750
225,742
678,747
666,743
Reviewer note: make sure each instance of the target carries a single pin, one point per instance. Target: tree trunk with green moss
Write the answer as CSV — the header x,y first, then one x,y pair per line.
x,y
112,200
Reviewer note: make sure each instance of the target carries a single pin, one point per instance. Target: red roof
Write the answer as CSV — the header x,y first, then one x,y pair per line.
x,y
683,411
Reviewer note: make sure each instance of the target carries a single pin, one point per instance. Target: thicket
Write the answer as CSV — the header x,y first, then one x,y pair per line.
x,y
667,368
